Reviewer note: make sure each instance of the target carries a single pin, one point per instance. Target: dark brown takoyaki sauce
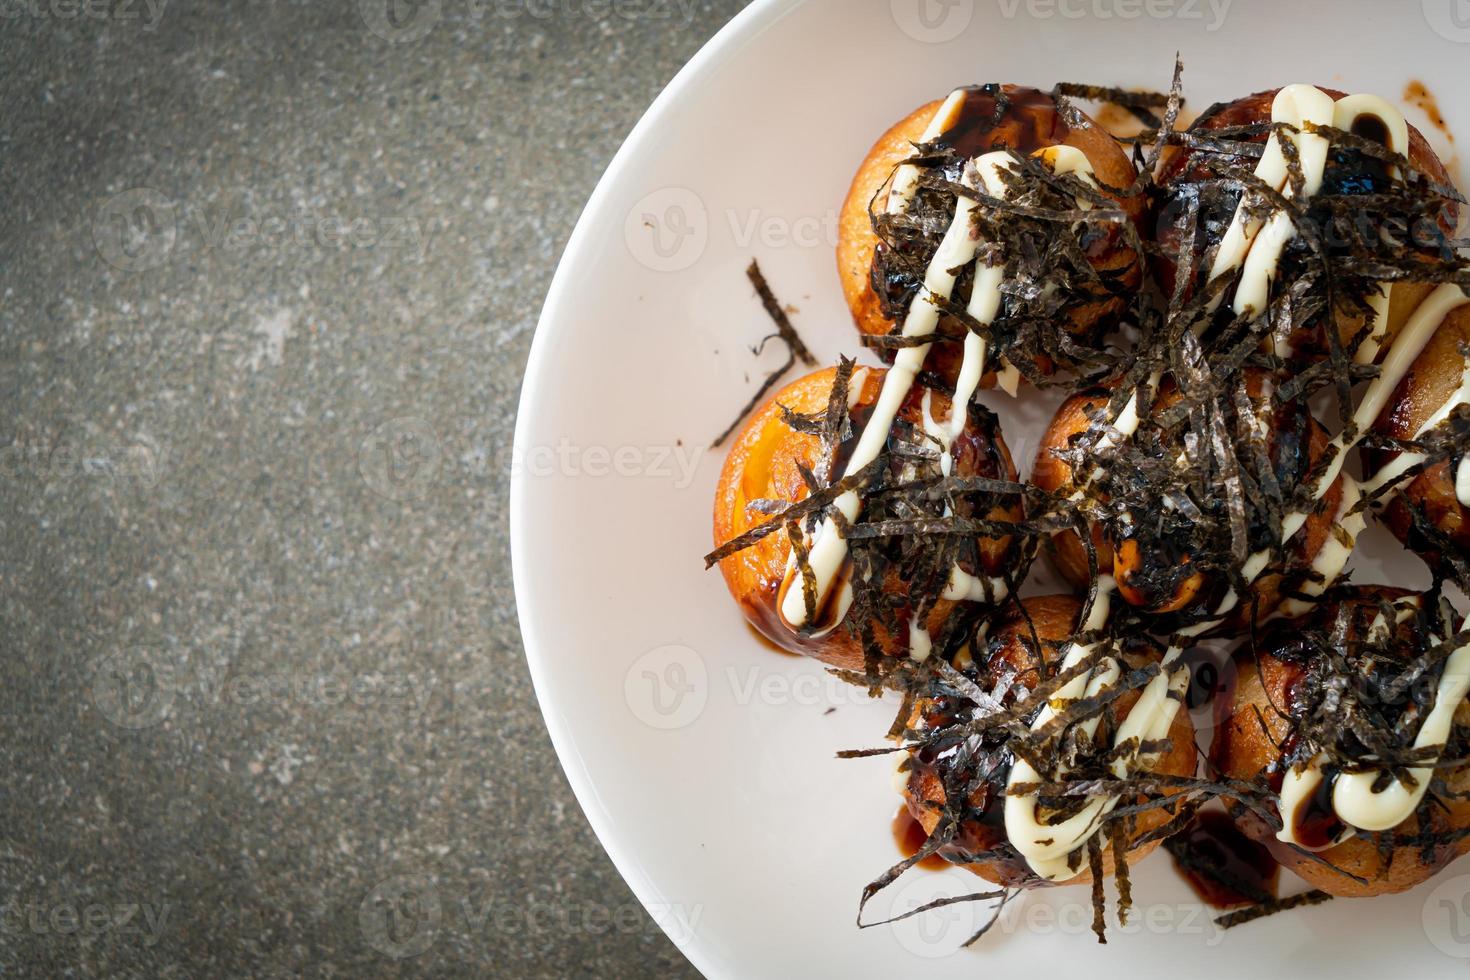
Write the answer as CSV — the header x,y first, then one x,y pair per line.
x,y
1371,128
1418,94
1315,822
910,836
994,116
1211,684
1225,868
981,836
1351,172
766,642
1317,826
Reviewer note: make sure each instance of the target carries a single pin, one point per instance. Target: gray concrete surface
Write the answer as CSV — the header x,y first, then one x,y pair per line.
x,y
268,276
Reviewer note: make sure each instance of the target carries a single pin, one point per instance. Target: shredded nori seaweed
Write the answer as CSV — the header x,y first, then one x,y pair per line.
x,y
1218,462
796,349
1364,683
1274,907
1041,238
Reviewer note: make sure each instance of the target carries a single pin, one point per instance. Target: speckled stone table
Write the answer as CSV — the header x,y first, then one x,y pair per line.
x,y
269,275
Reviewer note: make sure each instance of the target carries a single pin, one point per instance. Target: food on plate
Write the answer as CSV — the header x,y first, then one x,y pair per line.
x,y
1422,469
1006,213
1296,362
1300,206
1163,521
1355,716
1017,695
831,438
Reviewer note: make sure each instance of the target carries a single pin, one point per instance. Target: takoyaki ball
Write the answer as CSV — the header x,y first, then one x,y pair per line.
x,y
1186,176
1267,729
768,467
881,277
1426,513
1152,555
980,844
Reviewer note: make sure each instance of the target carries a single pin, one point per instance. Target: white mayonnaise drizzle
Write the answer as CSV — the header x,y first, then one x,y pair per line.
x,y
829,548
1332,558
1258,245
1416,334
1044,847
1295,105
1353,798
920,644
1255,247
906,180
1404,351
958,248
1047,846
1346,114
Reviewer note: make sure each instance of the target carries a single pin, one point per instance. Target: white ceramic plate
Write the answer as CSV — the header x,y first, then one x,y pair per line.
x,y
705,762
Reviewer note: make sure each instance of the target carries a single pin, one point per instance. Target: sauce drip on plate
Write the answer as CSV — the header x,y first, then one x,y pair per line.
x,y
910,836
1225,868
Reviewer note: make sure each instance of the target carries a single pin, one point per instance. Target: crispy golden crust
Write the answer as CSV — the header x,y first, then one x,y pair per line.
x,y
856,241
1247,747
1055,619
1176,165
765,463
1434,377
1052,474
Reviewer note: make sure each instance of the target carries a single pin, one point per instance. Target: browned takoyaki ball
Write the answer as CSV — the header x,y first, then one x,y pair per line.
x,y
1259,738
1425,513
765,464
1157,573
1183,171
981,845
992,118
